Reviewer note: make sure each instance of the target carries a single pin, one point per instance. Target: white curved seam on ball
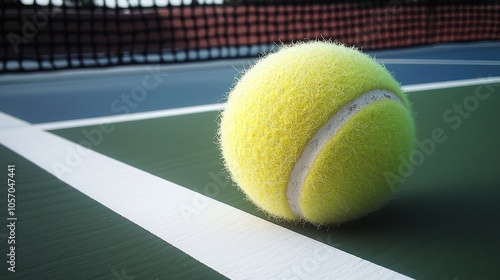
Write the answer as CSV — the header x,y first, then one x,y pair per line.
x,y
322,136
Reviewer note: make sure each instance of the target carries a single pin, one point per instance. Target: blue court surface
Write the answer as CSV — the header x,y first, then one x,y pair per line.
x,y
50,97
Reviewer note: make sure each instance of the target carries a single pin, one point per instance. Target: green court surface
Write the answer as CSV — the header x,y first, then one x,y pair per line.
x,y
442,223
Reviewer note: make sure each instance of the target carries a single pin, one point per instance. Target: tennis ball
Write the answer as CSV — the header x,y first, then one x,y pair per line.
x,y
311,132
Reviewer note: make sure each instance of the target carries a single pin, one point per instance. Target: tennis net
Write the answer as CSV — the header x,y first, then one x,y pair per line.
x,y
63,34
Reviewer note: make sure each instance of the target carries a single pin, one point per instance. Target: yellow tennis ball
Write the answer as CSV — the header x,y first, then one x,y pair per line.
x,y
310,132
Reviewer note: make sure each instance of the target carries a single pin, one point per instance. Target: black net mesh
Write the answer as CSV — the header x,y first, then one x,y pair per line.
x,y
94,33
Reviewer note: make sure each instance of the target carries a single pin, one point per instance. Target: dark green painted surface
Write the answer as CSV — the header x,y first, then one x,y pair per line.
x,y
63,234
441,224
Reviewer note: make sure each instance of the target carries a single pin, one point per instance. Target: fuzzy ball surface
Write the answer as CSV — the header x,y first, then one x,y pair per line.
x,y
311,133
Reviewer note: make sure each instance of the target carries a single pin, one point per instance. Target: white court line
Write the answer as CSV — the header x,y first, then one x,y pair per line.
x,y
409,61
451,84
230,241
214,107
130,117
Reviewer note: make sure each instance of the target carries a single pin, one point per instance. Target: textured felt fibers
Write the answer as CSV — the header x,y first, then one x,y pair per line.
x,y
281,102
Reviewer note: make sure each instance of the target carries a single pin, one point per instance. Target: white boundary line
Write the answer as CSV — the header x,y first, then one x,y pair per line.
x,y
409,61
130,117
234,243
215,107
451,84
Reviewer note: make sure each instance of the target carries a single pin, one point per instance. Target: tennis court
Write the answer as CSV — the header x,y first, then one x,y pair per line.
x,y
117,175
